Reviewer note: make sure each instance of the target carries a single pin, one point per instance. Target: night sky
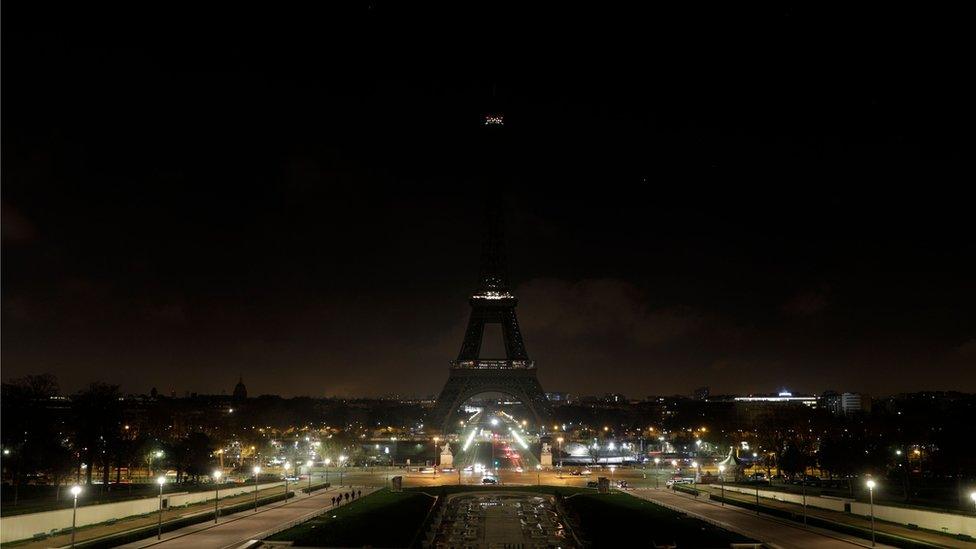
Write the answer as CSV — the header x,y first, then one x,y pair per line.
x,y
745,200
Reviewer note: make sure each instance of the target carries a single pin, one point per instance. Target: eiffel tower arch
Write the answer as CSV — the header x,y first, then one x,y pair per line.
x,y
493,302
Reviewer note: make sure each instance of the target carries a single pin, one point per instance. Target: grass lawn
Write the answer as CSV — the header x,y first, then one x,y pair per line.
x,y
619,520
381,519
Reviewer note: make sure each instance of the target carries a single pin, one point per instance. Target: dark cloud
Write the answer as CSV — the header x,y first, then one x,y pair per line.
x,y
808,303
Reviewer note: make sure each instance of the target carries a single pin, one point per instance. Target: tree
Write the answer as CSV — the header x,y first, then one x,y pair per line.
x,y
192,457
793,460
98,419
28,424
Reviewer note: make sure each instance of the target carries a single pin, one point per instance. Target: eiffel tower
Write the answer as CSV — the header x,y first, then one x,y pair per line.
x,y
515,373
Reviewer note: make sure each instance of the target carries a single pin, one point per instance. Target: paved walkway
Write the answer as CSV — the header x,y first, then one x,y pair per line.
x,y
854,520
131,523
238,528
773,532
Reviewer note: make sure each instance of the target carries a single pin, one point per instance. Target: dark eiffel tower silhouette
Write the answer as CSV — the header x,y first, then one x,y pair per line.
x,y
515,374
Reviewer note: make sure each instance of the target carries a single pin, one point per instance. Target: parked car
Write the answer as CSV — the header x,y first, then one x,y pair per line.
x,y
428,470
574,473
622,484
489,480
586,472
673,481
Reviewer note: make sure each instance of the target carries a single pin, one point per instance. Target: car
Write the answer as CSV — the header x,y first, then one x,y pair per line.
x,y
489,480
518,469
586,472
592,484
448,469
673,481
574,473
622,484
468,469
428,470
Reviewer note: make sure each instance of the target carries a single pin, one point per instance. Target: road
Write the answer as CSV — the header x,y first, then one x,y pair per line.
x,y
773,532
236,529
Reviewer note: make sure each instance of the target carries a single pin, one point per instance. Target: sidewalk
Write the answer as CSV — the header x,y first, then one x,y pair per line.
x,y
124,524
773,532
847,518
241,527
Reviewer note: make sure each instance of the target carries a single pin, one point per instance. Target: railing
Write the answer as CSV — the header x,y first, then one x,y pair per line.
x,y
492,364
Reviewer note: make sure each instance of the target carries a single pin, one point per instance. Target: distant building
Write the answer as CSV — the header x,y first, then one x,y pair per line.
x,y
784,397
561,398
240,391
700,393
843,404
615,398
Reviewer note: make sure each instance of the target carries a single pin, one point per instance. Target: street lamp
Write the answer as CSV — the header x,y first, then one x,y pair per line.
x,y
287,468
435,455
694,467
538,474
309,465
871,485
327,462
216,476
75,490
559,448
657,473
972,496
721,473
256,471
159,524
342,459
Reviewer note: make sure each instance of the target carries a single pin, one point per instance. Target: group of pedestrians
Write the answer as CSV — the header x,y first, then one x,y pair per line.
x,y
337,499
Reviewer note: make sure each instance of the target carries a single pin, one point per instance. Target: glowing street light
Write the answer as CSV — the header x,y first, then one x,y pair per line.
x,y
309,464
721,472
538,473
257,470
559,448
972,496
287,468
871,484
159,524
75,490
327,462
216,476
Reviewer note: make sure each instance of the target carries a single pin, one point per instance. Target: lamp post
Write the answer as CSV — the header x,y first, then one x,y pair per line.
x,y
972,496
435,456
804,485
538,474
287,468
216,476
256,471
342,459
559,448
721,477
694,467
327,462
657,473
75,490
309,465
871,484
159,523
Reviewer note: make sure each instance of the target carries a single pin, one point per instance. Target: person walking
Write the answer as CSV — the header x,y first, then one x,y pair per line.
x,y
347,497
333,501
360,493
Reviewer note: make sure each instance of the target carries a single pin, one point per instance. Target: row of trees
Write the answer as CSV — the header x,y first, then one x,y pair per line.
x,y
46,437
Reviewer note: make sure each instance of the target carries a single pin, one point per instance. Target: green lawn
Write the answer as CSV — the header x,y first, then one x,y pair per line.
x,y
619,520
381,519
